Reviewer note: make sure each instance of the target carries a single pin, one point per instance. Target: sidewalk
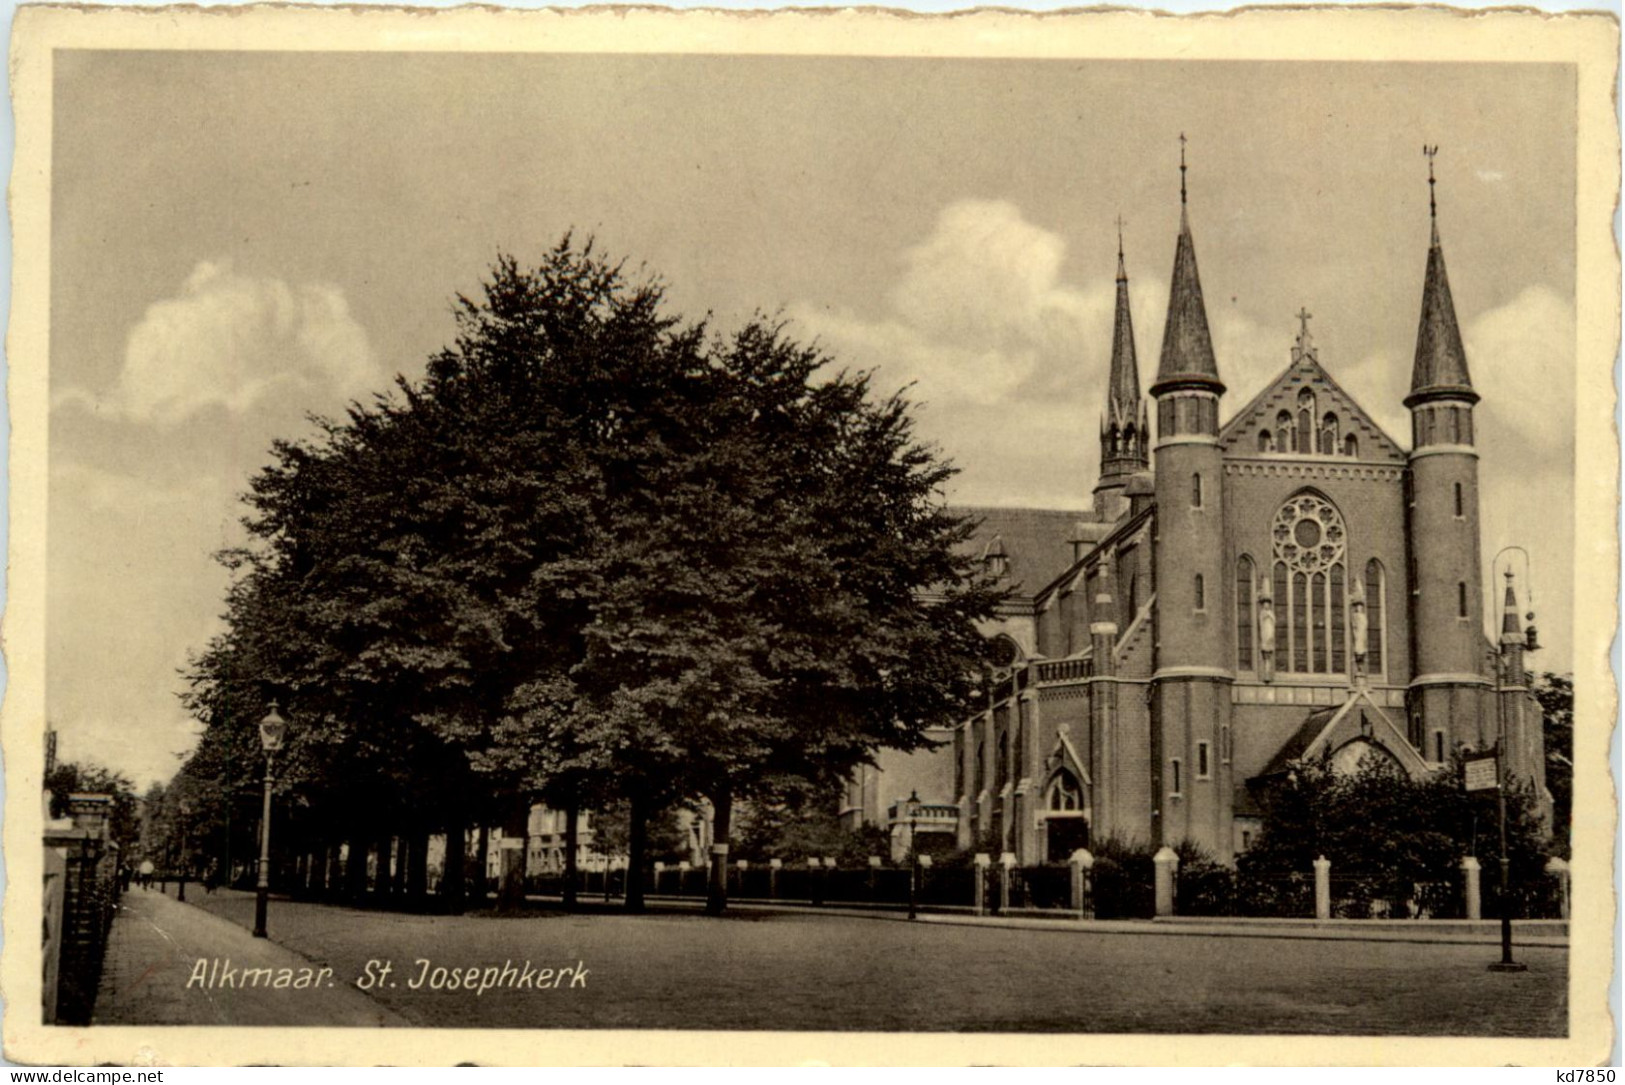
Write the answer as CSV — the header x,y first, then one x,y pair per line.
x,y
152,974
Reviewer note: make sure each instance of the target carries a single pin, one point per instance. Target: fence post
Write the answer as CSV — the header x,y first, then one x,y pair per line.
x,y
815,878
983,861
1082,863
660,868
922,874
773,867
1323,888
829,865
1557,868
1007,864
682,876
743,865
874,874
1166,864
1470,888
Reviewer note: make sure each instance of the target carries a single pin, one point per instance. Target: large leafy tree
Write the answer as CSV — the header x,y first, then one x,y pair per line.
x,y
598,553
1555,692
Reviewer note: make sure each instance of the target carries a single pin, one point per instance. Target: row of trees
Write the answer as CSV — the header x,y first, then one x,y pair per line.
x,y
596,555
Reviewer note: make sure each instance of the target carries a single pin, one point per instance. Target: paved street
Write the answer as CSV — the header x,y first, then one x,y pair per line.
x,y
764,970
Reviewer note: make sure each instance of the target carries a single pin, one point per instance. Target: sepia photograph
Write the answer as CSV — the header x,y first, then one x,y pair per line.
x,y
1005,535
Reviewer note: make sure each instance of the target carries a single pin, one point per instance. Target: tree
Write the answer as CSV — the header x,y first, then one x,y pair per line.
x,y
599,554
72,776
1555,692
1379,823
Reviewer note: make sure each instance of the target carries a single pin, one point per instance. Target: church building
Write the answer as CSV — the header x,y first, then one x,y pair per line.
x,y
1255,584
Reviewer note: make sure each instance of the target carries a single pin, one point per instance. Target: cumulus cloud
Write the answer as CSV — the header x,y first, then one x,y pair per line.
x,y
980,315
229,340
1008,358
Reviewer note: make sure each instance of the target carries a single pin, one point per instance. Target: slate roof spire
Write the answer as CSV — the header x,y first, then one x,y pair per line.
x,y
1440,369
1124,392
1187,347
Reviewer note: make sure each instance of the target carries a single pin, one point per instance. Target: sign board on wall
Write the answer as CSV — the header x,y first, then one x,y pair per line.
x,y
1478,774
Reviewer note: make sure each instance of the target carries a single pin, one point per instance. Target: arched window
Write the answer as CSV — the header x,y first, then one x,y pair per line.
x,y
1328,434
1281,629
1337,616
1311,614
1306,421
1351,445
1283,431
1266,443
1244,613
1460,510
1065,796
1001,771
1376,605
1196,491
1130,440
1461,599
1201,593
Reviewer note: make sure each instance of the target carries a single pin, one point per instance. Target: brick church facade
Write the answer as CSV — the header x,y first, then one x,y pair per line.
x,y
1291,582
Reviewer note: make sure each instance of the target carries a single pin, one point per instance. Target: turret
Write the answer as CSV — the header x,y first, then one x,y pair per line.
x,y
1124,438
1447,625
1191,683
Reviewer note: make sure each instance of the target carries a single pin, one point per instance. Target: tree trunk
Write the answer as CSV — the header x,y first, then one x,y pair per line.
x,y
357,860
383,876
482,862
637,844
722,808
452,881
572,835
417,871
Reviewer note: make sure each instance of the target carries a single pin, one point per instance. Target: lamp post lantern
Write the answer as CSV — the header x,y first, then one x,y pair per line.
x,y
272,730
913,808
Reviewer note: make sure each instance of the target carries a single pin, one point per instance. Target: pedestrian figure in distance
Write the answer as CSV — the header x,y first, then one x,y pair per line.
x,y
146,873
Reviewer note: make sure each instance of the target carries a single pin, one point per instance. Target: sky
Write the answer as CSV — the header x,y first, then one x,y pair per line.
x,y
241,239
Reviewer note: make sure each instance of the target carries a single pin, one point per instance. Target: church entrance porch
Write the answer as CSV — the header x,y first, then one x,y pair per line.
x,y
1063,836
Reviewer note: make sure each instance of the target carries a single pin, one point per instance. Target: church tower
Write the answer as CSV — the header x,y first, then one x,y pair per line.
x,y
1447,622
1190,727
1125,437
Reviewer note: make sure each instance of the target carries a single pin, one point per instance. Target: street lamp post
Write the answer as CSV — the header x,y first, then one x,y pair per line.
x,y
1509,655
913,808
272,729
185,810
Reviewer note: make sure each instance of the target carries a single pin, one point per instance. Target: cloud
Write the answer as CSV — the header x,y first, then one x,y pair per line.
x,y
981,316
1009,359
1521,356
232,341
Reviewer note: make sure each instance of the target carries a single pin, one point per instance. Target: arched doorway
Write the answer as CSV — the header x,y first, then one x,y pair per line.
x,y
1066,819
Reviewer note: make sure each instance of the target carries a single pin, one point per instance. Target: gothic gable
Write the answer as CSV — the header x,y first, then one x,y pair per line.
x,y
1275,412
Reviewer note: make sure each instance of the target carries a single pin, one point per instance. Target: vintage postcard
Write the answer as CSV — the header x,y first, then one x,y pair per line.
x,y
624,535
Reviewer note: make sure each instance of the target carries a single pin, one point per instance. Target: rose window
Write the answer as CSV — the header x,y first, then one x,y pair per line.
x,y
1308,535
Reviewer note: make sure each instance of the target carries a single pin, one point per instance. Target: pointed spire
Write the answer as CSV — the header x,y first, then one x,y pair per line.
x,y
1122,273
1124,401
1440,368
1510,626
1187,347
